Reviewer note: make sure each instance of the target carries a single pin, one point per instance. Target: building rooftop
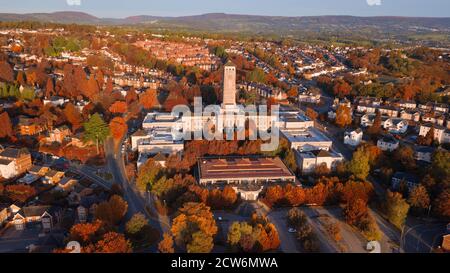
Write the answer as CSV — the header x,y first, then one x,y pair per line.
x,y
242,168
310,135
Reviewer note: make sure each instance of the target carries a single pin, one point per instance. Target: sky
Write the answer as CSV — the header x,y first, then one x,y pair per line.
x,y
124,8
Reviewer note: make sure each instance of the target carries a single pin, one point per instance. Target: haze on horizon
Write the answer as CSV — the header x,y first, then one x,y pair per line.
x,y
121,9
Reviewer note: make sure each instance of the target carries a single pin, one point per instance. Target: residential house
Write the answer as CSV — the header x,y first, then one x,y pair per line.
x,y
66,184
408,179
395,125
53,177
441,134
14,162
412,115
28,127
388,143
353,137
46,215
58,134
423,153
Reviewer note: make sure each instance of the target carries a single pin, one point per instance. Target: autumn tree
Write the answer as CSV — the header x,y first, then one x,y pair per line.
x,y
441,165
6,129
96,130
396,208
73,116
376,127
311,113
148,174
166,245
355,211
341,88
6,72
149,99
359,165
112,211
419,198
86,233
136,223
118,107
343,116
112,242
428,139
293,92
441,205
118,127
20,192
194,228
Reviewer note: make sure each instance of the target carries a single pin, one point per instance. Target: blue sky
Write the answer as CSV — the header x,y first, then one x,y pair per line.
x,y
123,8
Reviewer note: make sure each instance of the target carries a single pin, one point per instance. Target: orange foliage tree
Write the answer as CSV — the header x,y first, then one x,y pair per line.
x,y
118,127
20,193
118,107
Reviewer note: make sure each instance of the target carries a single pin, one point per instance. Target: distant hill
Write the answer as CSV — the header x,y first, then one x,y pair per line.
x,y
251,23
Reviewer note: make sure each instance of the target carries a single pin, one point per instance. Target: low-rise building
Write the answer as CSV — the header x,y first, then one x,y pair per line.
x,y
310,160
14,162
409,180
353,137
441,134
310,139
388,143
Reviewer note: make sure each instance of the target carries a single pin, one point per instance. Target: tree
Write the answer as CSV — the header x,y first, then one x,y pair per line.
x,y
419,198
136,223
428,139
343,116
118,107
405,156
236,231
149,173
149,99
341,88
112,211
396,208
6,129
96,130
166,245
441,205
200,243
118,127
355,211
73,116
375,129
311,113
6,72
49,88
359,165
86,233
293,92
113,242
20,192
194,227
441,165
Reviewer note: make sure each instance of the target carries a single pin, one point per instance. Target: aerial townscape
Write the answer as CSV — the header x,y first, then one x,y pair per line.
x,y
91,158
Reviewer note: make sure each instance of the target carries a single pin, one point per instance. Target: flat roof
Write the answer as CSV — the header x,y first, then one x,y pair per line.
x,y
309,135
217,168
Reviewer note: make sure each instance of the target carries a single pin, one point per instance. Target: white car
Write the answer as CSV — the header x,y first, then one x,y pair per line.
x,y
292,230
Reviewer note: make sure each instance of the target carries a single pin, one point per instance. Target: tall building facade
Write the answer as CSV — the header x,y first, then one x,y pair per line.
x,y
229,84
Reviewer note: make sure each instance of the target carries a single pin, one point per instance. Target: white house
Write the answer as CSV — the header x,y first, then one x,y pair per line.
x,y
7,168
441,134
396,125
308,161
353,138
388,143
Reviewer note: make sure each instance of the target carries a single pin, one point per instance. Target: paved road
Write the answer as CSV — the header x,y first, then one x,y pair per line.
x,y
421,236
136,202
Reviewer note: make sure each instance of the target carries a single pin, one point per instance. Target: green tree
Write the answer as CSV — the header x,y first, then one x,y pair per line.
x,y
359,165
148,175
237,230
396,208
96,130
